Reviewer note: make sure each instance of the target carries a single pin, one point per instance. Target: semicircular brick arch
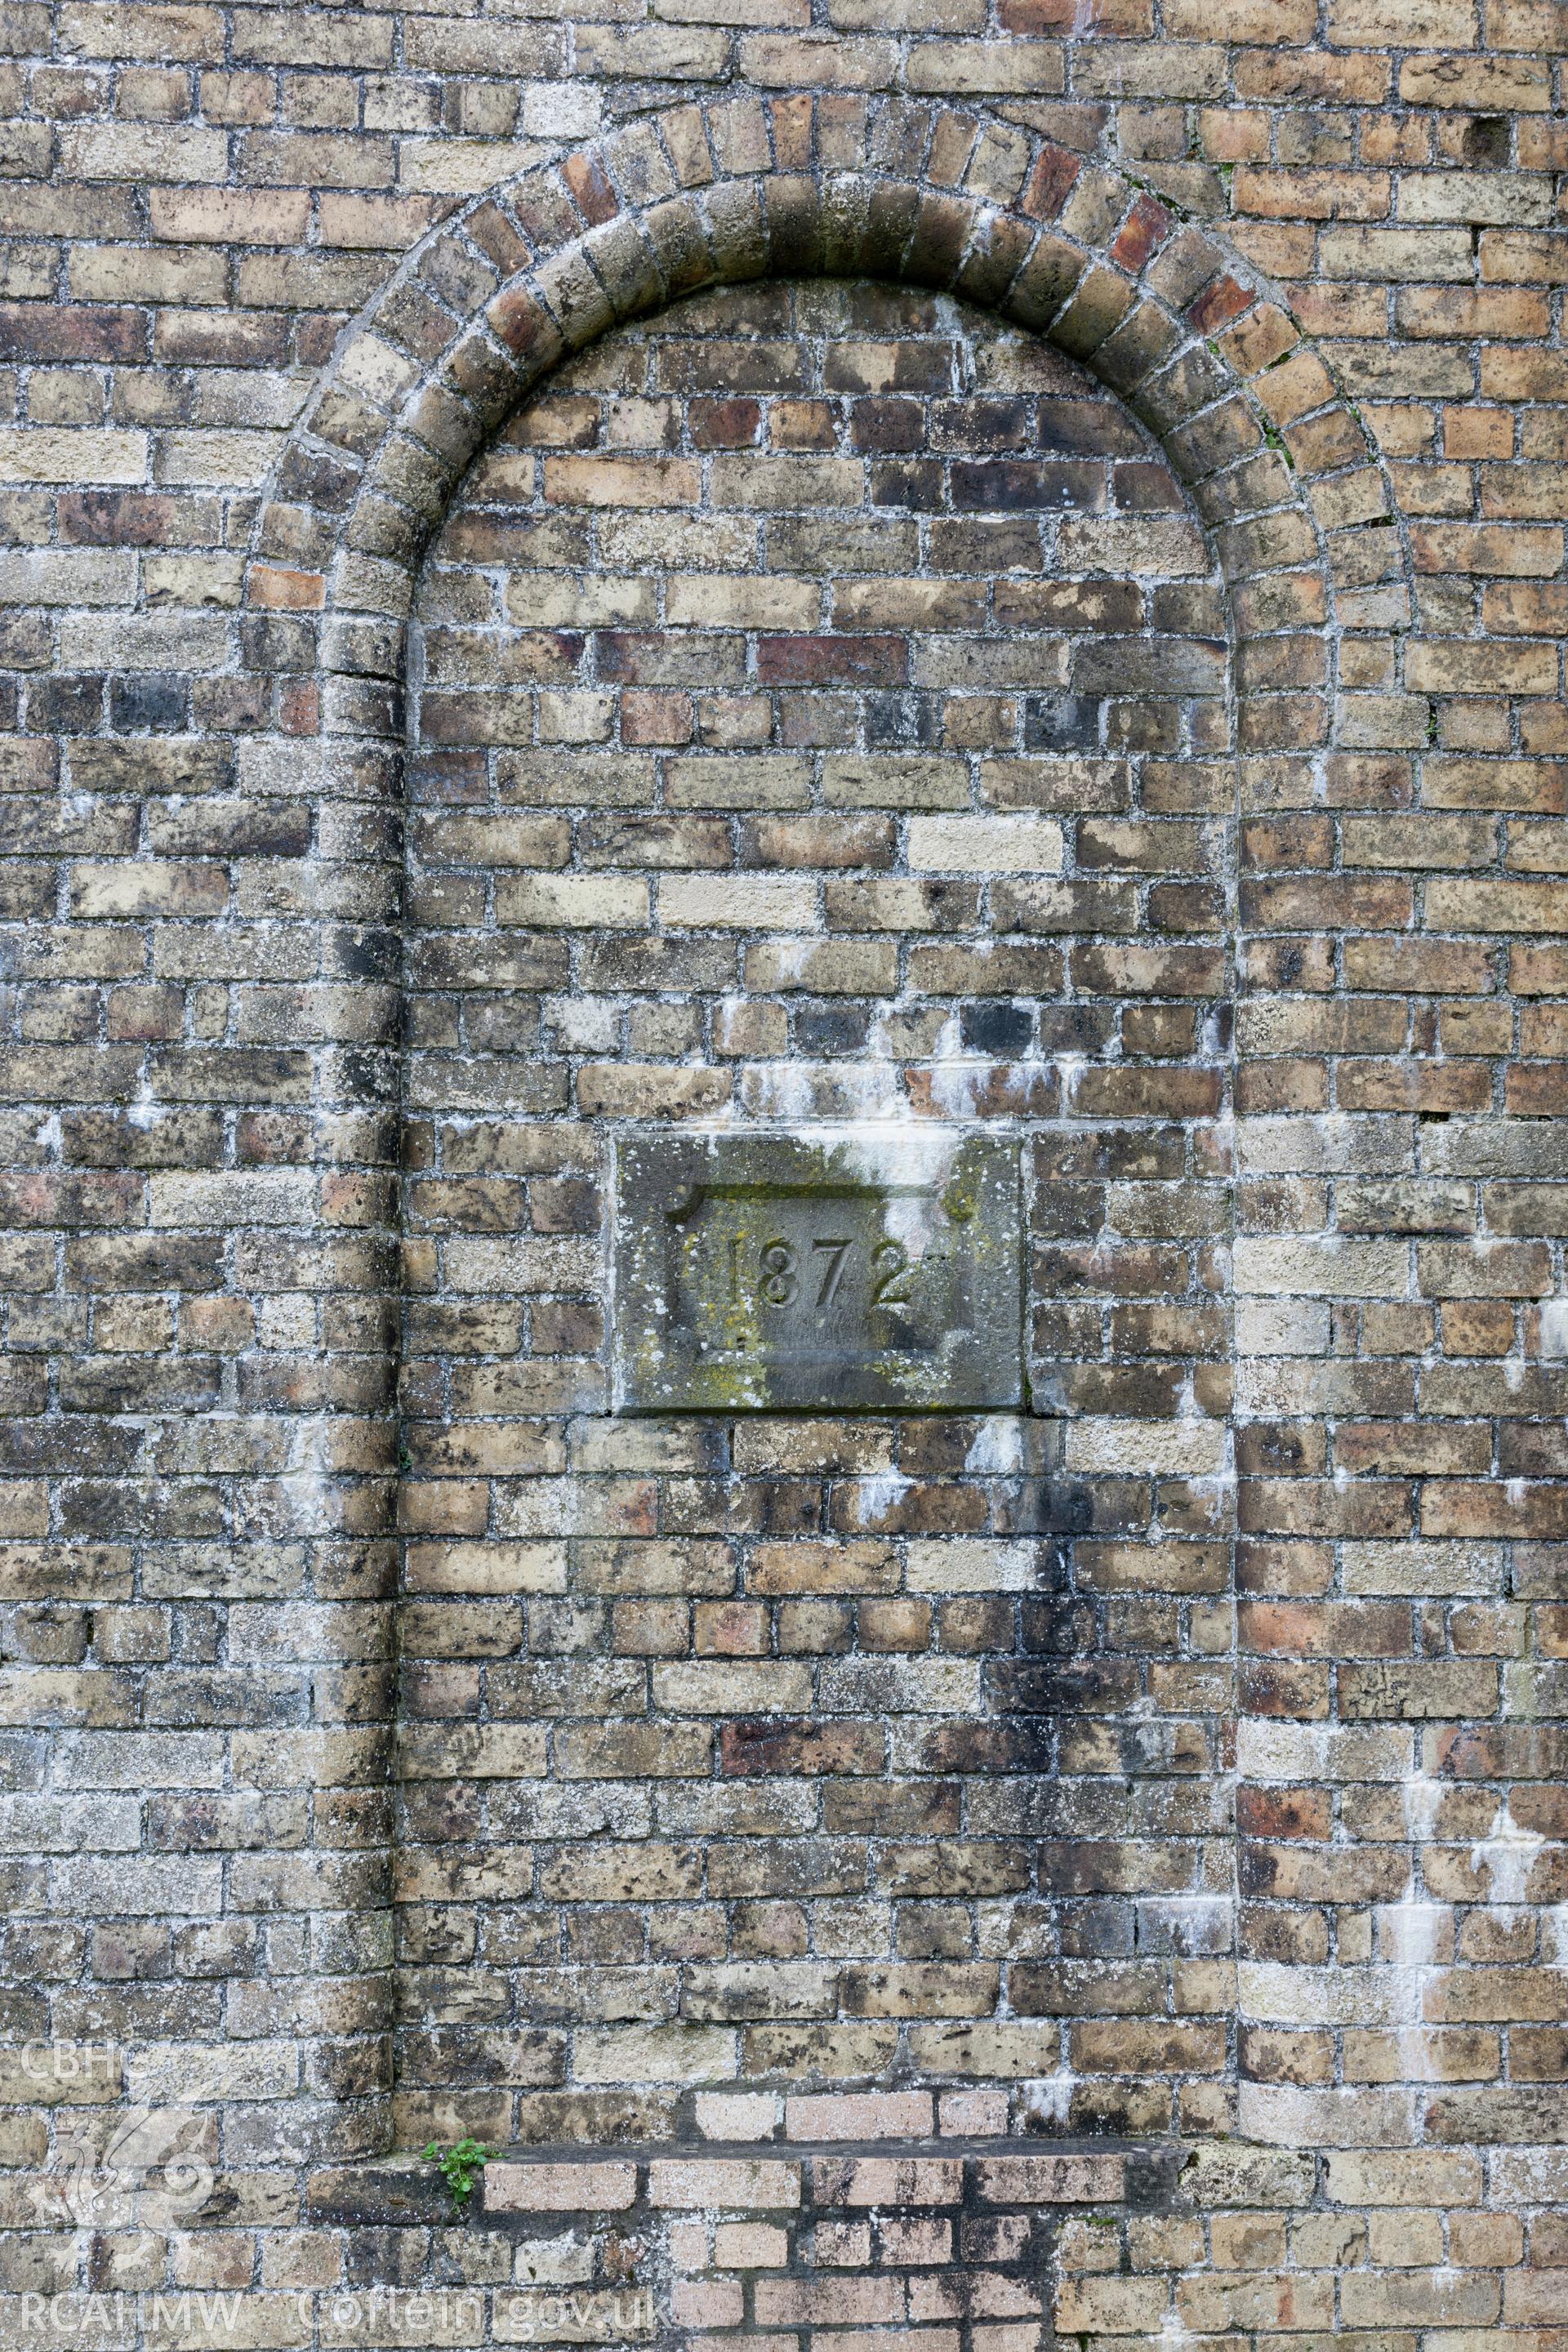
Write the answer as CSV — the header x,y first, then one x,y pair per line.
x,y
1277,461
1277,464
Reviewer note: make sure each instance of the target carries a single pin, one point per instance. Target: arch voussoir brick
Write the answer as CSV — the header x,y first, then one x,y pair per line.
x,y
1154,307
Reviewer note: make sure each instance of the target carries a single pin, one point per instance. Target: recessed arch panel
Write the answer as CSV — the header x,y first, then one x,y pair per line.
x,y
820,732
1276,470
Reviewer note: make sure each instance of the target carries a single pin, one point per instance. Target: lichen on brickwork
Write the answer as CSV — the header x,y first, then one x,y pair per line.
x,y
924,651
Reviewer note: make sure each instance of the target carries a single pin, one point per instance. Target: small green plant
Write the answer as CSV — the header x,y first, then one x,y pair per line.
x,y
460,2165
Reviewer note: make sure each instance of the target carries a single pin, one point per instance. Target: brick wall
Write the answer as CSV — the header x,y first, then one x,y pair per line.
x,y
797,780
914,572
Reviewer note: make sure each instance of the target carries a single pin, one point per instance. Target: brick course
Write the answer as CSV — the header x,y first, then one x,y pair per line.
x,y
922,566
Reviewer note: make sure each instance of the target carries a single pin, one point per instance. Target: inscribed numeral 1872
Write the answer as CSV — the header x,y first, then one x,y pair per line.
x,y
827,1272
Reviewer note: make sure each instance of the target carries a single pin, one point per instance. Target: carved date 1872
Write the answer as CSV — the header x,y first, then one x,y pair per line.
x,y
823,1270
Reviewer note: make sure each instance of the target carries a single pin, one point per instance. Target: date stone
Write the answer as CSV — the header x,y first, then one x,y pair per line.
x,y
838,1270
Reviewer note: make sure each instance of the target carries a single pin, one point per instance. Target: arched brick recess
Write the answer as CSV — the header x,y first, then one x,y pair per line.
x,y
869,766
1276,463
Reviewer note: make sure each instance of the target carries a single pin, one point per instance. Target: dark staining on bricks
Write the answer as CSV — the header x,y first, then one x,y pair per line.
x,y
829,610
